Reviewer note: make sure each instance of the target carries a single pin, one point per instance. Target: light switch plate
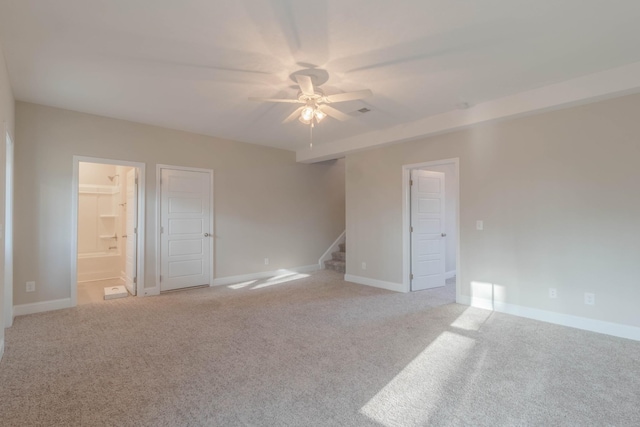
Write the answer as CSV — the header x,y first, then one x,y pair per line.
x,y
480,225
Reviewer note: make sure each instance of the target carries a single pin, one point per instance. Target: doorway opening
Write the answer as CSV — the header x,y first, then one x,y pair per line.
x,y
431,226
108,222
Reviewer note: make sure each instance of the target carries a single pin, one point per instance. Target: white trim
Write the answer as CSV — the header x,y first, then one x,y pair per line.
x,y
450,274
1,348
333,248
42,306
9,199
397,287
406,219
229,280
581,90
156,290
593,325
74,220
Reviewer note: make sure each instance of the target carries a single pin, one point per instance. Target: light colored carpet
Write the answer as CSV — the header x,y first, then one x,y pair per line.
x,y
311,352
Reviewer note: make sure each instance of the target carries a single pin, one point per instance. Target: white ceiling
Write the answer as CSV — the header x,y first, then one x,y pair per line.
x,y
192,64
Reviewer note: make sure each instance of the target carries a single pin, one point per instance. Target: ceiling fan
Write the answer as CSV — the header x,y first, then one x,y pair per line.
x,y
315,104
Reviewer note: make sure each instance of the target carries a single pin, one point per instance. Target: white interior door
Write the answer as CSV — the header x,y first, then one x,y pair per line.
x,y
427,230
185,239
131,226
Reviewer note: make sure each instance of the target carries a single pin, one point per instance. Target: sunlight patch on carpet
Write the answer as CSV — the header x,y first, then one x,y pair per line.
x,y
283,279
472,319
413,396
242,285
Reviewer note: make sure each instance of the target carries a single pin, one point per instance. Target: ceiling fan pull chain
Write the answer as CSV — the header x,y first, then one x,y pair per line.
x,y
311,136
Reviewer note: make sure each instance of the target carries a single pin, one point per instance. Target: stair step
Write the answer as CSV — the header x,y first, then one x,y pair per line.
x,y
339,266
343,247
339,256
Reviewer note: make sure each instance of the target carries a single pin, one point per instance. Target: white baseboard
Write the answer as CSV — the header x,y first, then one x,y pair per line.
x,y
397,287
593,325
39,307
148,292
1,348
229,280
450,274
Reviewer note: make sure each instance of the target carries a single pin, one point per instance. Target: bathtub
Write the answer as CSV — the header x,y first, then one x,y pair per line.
x,y
99,266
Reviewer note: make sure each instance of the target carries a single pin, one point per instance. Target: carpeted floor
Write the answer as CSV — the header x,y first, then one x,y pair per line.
x,y
315,351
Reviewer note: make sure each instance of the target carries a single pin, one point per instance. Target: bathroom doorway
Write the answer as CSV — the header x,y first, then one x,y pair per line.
x,y
108,222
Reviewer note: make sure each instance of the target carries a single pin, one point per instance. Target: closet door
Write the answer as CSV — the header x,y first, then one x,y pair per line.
x,y
185,239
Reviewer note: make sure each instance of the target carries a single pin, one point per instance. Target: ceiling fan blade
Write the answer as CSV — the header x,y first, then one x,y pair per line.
x,y
332,112
293,115
306,85
349,96
289,101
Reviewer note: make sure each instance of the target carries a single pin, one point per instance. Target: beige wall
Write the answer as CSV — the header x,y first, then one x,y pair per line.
x,y
266,205
558,193
96,174
7,121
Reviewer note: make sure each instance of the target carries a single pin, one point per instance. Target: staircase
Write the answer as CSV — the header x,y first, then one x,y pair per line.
x,y
338,262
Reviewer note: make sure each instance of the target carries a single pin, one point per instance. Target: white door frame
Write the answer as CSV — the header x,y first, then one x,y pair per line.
x,y
8,227
406,220
140,289
159,168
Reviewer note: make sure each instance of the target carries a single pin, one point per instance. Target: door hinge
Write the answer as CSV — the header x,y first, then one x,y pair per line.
x,y
161,230
412,228
411,276
136,181
410,182
135,280
135,230
161,277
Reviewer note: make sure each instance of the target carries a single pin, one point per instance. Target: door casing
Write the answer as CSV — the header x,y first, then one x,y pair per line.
x,y
8,230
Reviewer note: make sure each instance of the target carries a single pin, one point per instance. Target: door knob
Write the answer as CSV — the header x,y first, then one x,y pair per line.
x,y
207,234
444,234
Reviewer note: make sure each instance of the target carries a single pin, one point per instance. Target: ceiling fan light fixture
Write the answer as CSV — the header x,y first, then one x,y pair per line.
x,y
320,115
307,113
305,121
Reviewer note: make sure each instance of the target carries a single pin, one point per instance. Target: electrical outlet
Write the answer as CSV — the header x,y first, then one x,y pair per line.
x,y
589,299
31,286
553,293
364,265
479,225
266,261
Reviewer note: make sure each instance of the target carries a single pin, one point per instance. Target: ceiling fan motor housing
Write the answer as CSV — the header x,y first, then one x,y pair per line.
x,y
318,76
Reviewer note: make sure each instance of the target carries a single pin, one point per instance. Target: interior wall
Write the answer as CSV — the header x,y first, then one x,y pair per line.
x,y
266,204
97,174
7,114
558,196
